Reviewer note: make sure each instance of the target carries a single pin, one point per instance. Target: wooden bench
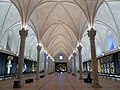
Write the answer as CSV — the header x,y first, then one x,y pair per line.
x,y
41,76
29,80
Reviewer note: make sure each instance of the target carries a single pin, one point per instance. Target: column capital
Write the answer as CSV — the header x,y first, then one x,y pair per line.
x,y
48,57
71,58
39,47
79,47
91,33
74,54
45,53
23,33
68,60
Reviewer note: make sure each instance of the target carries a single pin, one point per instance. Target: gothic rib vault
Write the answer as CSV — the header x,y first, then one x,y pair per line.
x,y
59,25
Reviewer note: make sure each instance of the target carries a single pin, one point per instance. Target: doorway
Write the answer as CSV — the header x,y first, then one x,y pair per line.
x,y
60,67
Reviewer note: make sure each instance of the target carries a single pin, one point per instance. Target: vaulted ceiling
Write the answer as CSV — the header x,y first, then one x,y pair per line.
x,y
57,22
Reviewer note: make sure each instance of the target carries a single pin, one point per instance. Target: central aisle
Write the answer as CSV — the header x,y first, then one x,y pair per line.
x,y
63,81
60,81
56,81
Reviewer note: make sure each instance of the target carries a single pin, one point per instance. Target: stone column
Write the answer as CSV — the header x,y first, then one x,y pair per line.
x,y
33,67
80,61
51,66
68,66
38,62
91,35
23,34
71,65
74,57
45,64
48,65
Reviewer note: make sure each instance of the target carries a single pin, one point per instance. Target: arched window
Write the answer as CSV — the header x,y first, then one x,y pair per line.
x,y
9,41
98,50
61,57
110,41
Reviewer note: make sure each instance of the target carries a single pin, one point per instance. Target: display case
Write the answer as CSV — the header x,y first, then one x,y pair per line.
x,y
119,63
102,66
112,68
85,66
99,69
109,64
112,65
89,66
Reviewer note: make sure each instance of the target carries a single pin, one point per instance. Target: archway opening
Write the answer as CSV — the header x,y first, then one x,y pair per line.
x,y
60,67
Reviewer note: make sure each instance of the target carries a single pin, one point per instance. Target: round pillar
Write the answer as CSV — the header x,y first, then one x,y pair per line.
x,y
91,35
45,64
80,61
74,56
23,34
48,65
38,62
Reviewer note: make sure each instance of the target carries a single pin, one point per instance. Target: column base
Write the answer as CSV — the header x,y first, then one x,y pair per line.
x,y
18,83
96,85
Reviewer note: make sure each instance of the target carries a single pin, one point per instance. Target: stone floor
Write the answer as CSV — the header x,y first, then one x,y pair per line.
x,y
60,81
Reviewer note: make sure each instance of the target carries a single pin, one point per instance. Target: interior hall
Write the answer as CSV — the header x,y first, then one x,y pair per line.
x,y
60,44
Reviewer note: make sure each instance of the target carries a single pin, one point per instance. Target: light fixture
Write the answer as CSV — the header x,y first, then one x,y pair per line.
x,y
103,53
74,51
40,44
